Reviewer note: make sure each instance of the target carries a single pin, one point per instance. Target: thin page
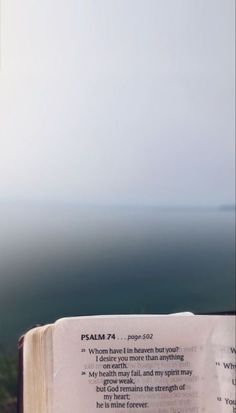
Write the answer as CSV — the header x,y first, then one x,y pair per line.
x,y
146,364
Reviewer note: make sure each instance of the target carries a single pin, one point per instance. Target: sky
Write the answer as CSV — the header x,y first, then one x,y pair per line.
x,y
117,102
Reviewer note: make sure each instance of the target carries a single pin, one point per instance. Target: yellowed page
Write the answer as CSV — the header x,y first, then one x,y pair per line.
x,y
37,372
148,364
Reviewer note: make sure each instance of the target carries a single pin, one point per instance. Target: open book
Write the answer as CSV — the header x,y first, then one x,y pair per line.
x,y
120,364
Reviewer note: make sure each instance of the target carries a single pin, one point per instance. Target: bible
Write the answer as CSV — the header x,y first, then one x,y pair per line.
x,y
129,363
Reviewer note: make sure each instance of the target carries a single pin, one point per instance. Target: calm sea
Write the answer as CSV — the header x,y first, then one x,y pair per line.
x,y
58,261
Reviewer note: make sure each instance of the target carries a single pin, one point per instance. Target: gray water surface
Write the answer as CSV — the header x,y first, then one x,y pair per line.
x,y
58,261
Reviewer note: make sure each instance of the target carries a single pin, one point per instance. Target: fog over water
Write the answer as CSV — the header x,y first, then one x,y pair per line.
x,y
123,102
67,260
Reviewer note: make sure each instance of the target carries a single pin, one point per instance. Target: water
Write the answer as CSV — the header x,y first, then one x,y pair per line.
x,y
58,261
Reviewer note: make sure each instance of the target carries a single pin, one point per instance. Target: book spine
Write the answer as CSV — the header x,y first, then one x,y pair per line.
x,y
20,390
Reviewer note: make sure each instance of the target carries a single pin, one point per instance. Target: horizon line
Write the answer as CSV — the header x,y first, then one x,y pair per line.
x,y
222,206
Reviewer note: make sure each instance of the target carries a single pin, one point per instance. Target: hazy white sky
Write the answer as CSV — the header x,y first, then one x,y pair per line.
x,y
117,101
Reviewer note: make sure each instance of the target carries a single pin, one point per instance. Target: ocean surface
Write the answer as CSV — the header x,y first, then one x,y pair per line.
x,y
58,261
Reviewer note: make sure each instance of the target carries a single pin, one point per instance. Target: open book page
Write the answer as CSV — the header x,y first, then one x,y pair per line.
x,y
145,364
